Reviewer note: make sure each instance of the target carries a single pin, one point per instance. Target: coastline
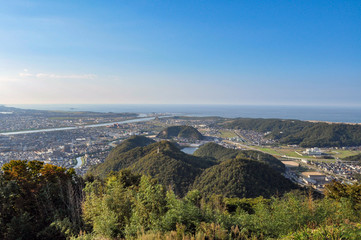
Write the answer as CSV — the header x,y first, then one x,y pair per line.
x,y
336,114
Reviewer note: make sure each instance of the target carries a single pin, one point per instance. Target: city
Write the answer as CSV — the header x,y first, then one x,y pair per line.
x,y
81,147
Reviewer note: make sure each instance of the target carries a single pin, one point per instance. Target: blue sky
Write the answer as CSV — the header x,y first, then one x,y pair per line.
x,y
191,52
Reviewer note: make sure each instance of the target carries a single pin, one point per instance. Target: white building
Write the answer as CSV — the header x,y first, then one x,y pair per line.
x,y
313,151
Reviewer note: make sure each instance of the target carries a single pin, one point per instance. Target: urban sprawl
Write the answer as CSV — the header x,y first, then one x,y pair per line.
x,y
81,147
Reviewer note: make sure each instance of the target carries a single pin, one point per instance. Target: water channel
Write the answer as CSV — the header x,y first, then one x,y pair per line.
x,y
78,127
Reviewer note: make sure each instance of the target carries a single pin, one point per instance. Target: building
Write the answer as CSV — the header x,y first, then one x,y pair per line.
x,y
314,177
313,151
291,164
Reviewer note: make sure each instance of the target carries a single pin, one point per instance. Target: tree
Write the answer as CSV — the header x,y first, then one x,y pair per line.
x,y
37,199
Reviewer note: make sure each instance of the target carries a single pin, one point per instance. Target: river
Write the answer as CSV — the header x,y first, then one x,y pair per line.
x,y
79,162
72,128
189,150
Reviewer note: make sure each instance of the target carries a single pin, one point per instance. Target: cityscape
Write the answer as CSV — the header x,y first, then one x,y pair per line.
x,y
82,147
180,120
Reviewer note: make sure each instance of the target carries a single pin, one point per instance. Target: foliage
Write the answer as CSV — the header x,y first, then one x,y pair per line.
x,y
42,202
342,231
162,160
131,143
38,201
115,160
220,153
108,207
342,191
253,174
156,214
242,178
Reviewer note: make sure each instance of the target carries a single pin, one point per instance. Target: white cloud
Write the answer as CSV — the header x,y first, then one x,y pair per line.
x,y
72,76
26,73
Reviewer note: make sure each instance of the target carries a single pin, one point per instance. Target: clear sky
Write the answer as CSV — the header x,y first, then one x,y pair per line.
x,y
192,52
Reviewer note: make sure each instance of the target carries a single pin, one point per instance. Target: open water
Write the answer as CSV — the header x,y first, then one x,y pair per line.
x,y
331,114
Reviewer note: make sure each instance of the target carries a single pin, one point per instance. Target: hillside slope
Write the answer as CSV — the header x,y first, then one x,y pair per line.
x,y
242,178
213,169
220,153
161,160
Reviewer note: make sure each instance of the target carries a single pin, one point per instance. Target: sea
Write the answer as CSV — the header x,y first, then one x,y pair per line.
x,y
313,113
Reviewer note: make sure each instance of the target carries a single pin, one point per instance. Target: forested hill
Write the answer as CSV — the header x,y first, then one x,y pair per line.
x,y
219,153
186,132
303,133
130,143
179,171
162,160
242,178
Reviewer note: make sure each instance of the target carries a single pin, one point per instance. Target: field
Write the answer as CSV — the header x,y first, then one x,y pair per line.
x,y
227,134
342,153
297,153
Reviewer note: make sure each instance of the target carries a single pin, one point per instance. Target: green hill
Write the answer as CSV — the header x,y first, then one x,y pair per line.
x,y
118,157
220,153
186,132
242,178
238,171
161,160
303,133
130,143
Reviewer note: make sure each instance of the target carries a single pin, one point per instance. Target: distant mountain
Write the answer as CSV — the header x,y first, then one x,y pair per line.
x,y
219,153
162,160
53,113
186,132
242,178
9,109
303,133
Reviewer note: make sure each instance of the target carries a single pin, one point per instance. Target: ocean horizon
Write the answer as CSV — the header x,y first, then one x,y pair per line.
x,y
308,113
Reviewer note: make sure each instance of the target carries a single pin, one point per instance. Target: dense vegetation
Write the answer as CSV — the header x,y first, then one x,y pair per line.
x,y
220,153
185,132
162,160
129,144
252,174
136,207
39,201
303,133
242,178
43,202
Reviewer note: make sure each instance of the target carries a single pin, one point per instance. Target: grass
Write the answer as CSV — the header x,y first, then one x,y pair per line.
x,y
291,152
271,151
227,134
343,153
